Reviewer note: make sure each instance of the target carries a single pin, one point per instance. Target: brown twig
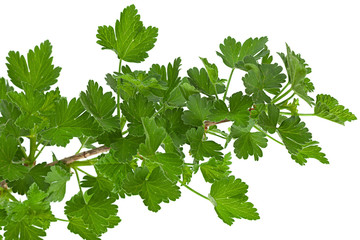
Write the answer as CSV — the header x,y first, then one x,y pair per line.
x,y
3,184
81,155
103,149
209,123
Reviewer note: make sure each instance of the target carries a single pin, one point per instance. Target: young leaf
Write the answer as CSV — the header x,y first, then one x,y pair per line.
x,y
154,189
200,148
97,185
29,105
77,226
230,201
269,121
36,175
114,169
169,75
97,213
8,169
232,52
69,121
248,143
329,108
134,109
201,81
199,110
294,134
211,70
297,70
125,148
29,219
37,73
4,88
170,163
57,178
216,169
261,78
172,121
100,105
130,40
154,137
239,109
310,150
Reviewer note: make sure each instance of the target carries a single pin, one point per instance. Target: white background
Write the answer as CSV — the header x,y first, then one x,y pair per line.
x,y
295,202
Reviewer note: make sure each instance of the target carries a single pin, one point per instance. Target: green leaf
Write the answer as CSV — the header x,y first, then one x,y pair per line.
x,y
100,105
57,179
171,120
125,148
69,121
310,150
239,109
201,81
97,185
140,81
329,108
199,147
9,114
113,169
199,110
297,70
211,70
37,73
154,189
77,226
130,40
170,163
294,134
29,105
96,213
134,109
106,138
248,143
36,175
23,230
168,75
261,78
230,201
154,137
29,219
9,169
4,88
268,121
232,52
216,169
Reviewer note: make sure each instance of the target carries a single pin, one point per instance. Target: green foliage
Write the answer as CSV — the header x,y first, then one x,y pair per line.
x,y
57,179
130,40
35,74
233,53
153,187
230,201
100,105
294,134
329,108
98,213
216,169
151,134
261,78
248,143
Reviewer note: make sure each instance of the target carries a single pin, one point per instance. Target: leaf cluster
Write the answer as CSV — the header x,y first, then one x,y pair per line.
x,y
141,128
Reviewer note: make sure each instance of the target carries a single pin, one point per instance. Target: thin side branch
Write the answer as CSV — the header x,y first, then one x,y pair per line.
x,y
209,123
3,184
81,155
103,149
